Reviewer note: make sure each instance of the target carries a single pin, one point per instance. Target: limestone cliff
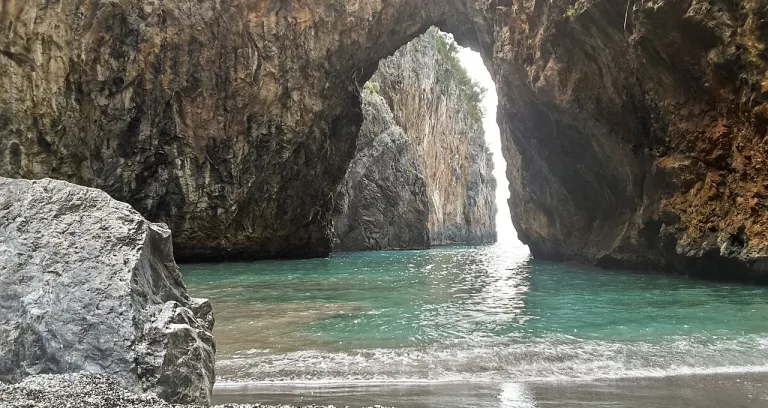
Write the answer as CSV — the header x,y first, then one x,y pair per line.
x,y
634,131
435,186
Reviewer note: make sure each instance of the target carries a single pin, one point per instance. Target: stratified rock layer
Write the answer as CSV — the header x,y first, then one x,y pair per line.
x,y
422,174
634,131
86,284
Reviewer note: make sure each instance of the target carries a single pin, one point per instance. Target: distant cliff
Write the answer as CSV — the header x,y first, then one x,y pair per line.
x,y
421,174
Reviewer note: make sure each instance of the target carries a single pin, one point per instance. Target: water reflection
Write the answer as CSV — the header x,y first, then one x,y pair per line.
x,y
717,391
476,293
515,395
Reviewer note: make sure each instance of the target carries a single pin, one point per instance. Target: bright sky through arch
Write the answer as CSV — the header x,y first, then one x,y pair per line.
x,y
476,68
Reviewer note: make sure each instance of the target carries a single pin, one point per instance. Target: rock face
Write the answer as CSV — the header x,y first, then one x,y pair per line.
x,y
232,122
634,131
421,175
86,284
382,202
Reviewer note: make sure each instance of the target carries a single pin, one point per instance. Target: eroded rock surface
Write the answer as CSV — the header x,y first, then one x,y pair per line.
x,y
634,131
382,202
87,284
436,185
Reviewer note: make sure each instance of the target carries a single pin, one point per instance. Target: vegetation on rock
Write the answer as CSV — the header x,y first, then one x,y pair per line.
x,y
454,72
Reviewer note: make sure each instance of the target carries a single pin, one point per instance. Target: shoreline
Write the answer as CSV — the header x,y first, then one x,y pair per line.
x,y
725,371
712,390
745,389
94,391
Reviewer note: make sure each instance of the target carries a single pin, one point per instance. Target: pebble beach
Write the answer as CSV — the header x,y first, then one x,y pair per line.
x,y
93,391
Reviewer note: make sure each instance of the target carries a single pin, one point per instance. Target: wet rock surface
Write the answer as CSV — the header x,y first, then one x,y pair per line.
x,y
87,284
634,131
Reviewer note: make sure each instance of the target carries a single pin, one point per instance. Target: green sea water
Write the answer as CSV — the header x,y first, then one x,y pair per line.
x,y
472,314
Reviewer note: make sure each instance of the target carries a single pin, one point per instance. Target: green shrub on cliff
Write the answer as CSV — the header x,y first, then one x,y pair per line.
x,y
574,9
471,91
372,87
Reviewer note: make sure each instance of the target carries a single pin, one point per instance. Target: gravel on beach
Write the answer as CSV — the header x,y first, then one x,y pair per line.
x,y
91,391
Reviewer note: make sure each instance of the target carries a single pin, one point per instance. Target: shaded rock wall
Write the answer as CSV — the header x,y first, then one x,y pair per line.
x,y
634,131
417,104
86,284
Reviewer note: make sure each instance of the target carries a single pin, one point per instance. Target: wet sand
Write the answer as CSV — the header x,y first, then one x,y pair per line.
x,y
705,391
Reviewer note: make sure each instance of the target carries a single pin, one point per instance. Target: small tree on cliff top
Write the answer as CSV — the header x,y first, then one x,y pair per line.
x,y
471,91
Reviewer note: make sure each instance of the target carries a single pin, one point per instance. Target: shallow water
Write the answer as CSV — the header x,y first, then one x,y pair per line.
x,y
484,317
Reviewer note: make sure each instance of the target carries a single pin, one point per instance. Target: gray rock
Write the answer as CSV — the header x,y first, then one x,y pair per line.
x,y
88,285
382,203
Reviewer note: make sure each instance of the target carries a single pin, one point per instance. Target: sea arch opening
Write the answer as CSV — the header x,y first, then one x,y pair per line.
x,y
428,166
576,180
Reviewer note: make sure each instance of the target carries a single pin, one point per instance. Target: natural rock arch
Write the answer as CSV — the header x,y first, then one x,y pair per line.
x,y
422,174
633,131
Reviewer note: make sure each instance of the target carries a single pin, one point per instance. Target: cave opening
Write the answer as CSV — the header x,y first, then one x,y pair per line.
x,y
475,66
428,169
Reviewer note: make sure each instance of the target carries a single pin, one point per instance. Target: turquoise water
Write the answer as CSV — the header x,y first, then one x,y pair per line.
x,y
487,314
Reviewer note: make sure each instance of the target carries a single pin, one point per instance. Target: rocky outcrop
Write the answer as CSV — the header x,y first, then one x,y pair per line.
x,y
232,122
421,175
86,284
382,202
634,131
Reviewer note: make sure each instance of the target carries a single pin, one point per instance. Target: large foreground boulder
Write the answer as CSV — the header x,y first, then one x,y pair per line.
x,y
88,285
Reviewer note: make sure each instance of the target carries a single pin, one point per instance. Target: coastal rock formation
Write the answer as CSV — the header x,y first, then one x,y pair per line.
x,y
421,175
382,202
88,285
634,131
